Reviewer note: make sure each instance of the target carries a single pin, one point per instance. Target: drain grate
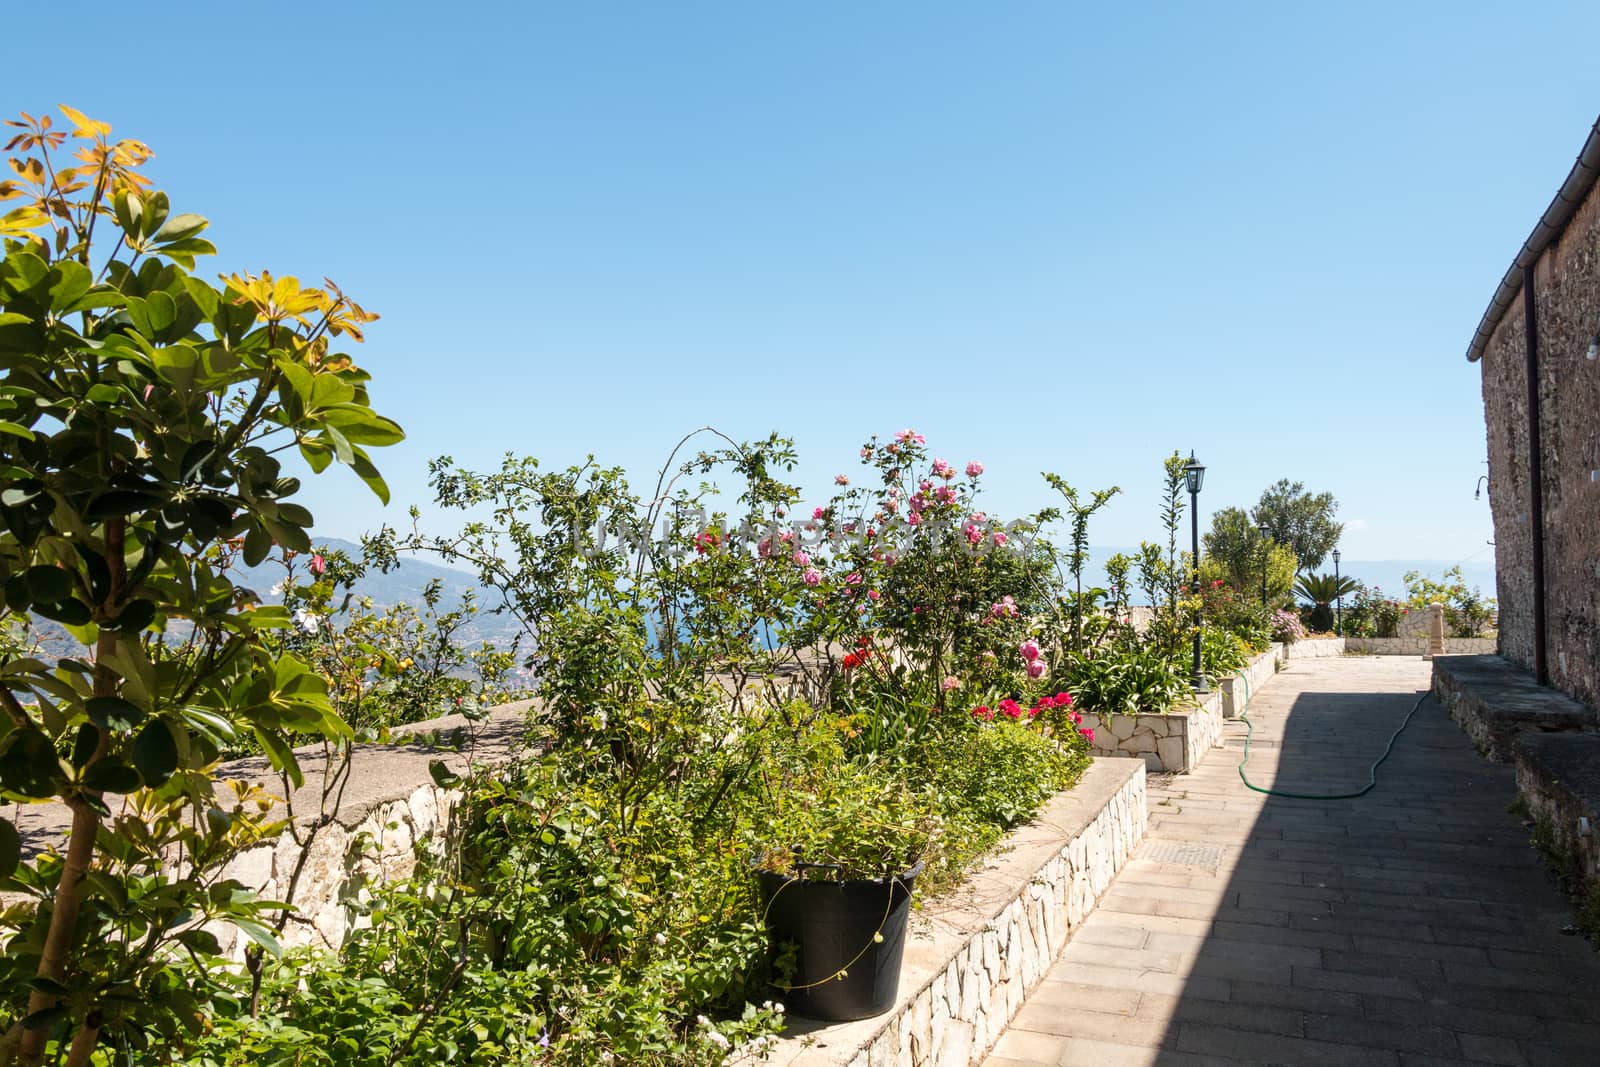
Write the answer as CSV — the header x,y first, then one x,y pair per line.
x,y
1208,856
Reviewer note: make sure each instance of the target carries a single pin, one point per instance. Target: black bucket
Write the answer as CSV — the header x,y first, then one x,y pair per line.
x,y
833,926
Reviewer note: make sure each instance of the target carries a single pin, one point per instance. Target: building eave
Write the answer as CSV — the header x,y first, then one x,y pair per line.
x,y
1585,173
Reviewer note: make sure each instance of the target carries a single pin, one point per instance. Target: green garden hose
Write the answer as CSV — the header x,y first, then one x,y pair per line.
x,y
1372,774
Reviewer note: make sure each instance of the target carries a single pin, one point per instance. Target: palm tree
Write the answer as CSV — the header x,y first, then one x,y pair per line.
x,y
1322,590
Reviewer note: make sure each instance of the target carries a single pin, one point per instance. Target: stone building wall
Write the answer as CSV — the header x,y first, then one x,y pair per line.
x,y
1567,289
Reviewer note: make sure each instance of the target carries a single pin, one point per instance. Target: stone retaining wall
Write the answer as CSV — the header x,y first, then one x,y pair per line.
x,y
973,956
1176,742
1495,702
1559,777
1314,648
1418,646
1173,742
1238,690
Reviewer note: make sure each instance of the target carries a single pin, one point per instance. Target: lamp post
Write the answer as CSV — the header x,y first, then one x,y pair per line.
x,y
1266,558
1338,625
1194,473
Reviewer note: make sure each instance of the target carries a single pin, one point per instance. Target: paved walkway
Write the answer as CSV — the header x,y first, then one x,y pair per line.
x,y
1413,926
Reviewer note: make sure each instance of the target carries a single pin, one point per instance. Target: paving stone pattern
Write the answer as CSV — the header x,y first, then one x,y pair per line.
x,y
1411,927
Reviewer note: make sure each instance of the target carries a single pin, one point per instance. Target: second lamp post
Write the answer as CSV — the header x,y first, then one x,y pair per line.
x,y
1194,473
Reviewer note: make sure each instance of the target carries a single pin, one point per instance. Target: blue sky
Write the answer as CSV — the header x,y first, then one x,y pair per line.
x,y
1049,236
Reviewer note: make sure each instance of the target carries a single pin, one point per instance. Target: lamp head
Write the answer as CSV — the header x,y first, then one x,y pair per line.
x,y
1194,473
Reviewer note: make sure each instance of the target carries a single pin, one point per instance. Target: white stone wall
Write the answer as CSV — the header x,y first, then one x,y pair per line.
x,y
993,954
1160,740
1173,742
1238,691
1418,646
1314,648
341,865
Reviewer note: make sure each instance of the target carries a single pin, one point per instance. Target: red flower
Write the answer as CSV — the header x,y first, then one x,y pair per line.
x,y
1063,700
1011,708
982,712
1088,735
855,659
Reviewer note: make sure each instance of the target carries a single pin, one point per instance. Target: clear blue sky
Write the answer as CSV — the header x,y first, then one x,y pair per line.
x,y
1050,236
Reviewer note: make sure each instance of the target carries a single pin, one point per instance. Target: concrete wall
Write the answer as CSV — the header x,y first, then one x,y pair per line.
x,y
1567,289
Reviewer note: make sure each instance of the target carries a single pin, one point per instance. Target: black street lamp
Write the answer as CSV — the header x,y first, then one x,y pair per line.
x,y
1194,473
1266,558
1338,625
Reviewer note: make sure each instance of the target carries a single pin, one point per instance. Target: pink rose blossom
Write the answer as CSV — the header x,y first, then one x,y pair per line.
x,y
1036,668
853,578
915,518
318,564
1029,650
974,535
999,539
801,558
942,468
945,494
950,682
818,513
841,479
873,594
980,517
812,577
974,469
910,435
866,451
925,485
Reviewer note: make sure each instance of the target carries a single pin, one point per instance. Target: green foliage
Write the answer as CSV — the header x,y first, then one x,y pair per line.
x,y
140,415
1081,512
1300,520
1237,553
1468,613
1130,677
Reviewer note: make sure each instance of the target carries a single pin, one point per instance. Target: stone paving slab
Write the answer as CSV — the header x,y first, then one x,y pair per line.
x,y
1410,927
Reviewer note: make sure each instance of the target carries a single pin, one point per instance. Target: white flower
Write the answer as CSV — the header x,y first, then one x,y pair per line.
x,y
277,589
307,620
718,1038
661,939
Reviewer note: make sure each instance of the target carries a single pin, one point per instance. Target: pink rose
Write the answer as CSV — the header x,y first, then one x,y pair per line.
x,y
915,518
801,558
942,468
840,479
974,469
866,451
980,517
318,564
873,594
1036,668
819,513
999,539
974,535
950,682
1029,650
812,577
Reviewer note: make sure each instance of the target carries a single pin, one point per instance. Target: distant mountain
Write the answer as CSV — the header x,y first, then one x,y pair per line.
x,y
405,585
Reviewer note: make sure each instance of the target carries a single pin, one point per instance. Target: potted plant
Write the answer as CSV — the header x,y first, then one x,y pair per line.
x,y
848,840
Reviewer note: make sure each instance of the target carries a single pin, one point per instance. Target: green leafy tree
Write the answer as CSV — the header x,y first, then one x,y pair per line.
x,y
1236,552
1322,590
142,410
1301,520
